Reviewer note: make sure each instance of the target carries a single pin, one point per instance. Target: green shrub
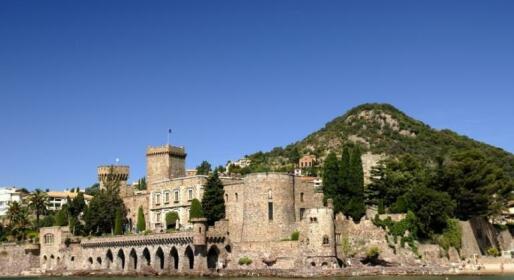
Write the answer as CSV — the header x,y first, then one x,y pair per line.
x,y
492,251
451,236
196,210
346,247
295,235
171,219
141,223
245,261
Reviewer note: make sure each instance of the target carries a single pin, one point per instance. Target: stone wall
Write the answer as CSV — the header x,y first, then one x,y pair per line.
x,y
17,259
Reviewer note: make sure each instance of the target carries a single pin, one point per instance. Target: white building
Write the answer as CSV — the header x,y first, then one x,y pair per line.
x,y
7,195
58,199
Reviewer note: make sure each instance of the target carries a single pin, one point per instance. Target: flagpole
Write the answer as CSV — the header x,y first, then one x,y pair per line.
x,y
169,133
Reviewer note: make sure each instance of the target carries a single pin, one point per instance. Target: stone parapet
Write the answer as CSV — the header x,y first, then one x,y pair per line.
x,y
136,240
166,149
112,172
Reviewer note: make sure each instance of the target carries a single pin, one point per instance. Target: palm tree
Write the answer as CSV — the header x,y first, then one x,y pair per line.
x,y
18,217
38,202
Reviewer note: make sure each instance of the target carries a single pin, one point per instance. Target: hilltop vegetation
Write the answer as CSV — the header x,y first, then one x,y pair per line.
x,y
379,129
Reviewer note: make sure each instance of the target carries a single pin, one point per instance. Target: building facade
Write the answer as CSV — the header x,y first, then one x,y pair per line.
x,y
276,220
8,195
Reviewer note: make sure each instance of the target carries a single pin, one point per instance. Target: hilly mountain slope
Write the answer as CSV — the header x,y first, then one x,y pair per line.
x,y
381,130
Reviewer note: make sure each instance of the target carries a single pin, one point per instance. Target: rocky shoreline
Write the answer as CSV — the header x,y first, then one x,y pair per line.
x,y
283,273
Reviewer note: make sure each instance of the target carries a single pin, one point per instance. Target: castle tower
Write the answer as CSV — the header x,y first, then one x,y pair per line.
x,y
164,163
199,231
109,173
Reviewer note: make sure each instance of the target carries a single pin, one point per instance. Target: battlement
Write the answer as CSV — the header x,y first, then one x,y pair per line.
x,y
113,172
166,150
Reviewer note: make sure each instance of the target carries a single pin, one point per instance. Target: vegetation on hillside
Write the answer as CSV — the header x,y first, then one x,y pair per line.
x,y
379,129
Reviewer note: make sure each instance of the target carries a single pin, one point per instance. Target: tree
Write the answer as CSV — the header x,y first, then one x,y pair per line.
x,y
100,215
294,155
355,207
394,177
171,219
141,184
18,217
213,203
432,208
141,223
472,181
330,178
93,190
118,223
38,202
76,207
196,210
61,219
204,168
220,169
344,186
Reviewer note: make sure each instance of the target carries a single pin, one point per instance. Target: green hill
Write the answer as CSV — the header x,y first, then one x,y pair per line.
x,y
380,129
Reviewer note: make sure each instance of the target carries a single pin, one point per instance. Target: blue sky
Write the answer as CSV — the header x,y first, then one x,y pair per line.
x,y
85,82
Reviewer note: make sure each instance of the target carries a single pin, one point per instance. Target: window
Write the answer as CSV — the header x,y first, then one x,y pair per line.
x,y
338,238
301,197
158,217
237,198
190,194
166,197
226,197
270,211
314,220
157,199
325,240
302,212
49,238
176,197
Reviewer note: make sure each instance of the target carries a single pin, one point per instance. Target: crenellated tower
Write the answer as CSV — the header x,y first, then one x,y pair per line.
x,y
109,173
164,163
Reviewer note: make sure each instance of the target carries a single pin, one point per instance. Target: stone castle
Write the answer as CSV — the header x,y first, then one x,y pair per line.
x,y
262,211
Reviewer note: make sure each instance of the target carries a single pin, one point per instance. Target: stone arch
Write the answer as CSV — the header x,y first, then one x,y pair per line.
x,y
120,260
145,257
132,259
159,259
212,257
90,260
109,259
190,256
174,258
99,261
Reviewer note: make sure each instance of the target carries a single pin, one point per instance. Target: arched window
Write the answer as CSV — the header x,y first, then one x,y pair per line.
x,y
237,198
301,197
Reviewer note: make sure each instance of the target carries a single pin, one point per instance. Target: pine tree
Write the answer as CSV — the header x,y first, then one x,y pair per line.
x,y
118,223
196,210
343,191
213,203
331,179
355,207
141,223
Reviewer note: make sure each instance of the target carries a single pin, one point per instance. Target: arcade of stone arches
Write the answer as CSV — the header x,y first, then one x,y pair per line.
x,y
158,258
